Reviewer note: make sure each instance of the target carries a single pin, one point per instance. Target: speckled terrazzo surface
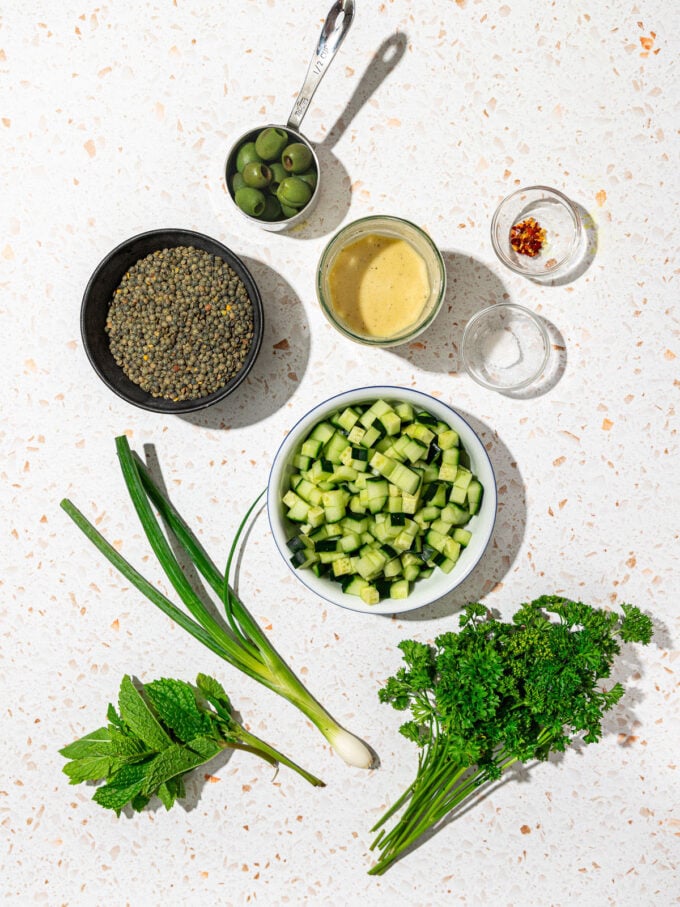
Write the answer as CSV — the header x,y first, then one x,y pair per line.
x,y
117,119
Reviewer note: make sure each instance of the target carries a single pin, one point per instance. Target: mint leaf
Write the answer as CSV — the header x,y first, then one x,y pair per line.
x,y
175,760
114,719
175,704
139,718
139,802
93,768
215,694
98,743
166,795
213,690
206,747
122,788
126,744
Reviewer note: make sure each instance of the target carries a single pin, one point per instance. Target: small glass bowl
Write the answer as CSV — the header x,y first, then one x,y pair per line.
x,y
505,347
555,213
395,227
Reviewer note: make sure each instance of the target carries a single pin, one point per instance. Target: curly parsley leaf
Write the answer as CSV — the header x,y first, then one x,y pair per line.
x,y
495,693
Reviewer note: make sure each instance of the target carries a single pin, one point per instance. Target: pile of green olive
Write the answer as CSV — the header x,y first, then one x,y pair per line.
x,y
275,177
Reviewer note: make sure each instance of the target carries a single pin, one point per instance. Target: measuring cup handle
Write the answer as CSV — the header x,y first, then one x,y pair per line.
x,y
331,37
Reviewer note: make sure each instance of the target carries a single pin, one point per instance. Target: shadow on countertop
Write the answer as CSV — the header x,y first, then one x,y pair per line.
x,y
584,256
280,366
335,198
507,537
470,287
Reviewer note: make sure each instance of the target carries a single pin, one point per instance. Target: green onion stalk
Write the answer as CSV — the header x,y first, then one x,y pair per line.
x,y
239,639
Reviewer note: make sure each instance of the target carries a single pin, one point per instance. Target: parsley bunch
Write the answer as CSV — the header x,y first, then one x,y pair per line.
x,y
497,693
159,734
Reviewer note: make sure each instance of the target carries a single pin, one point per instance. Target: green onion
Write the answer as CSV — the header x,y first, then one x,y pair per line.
x,y
239,641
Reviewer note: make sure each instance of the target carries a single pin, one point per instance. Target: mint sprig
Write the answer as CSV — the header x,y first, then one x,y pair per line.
x,y
160,732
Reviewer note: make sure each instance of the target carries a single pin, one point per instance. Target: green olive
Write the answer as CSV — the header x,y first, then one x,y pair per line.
x,y
246,154
278,174
309,177
297,158
270,143
237,182
294,192
256,175
252,201
272,208
288,211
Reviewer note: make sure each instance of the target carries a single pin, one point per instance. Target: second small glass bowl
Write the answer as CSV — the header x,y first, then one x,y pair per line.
x,y
396,228
505,347
555,214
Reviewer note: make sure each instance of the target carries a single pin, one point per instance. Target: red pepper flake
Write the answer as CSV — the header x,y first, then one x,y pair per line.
x,y
527,237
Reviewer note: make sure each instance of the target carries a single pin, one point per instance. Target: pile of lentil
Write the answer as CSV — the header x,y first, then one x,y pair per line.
x,y
180,323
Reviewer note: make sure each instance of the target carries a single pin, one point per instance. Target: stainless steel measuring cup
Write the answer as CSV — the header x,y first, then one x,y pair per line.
x,y
335,27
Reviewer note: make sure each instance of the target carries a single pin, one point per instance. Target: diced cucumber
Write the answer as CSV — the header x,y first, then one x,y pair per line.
x,y
342,566
323,432
302,462
448,472
420,432
458,495
311,448
462,536
455,515
355,436
404,411
379,498
335,446
400,589
474,495
370,437
348,418
391,422
463,477
451,456
448,439
370,595
406,479
392,568
435,494
383,465
354,585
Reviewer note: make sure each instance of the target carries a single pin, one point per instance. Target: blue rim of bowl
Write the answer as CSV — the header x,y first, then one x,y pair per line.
x,y
270,503
161,404
533,318
568,204
380,341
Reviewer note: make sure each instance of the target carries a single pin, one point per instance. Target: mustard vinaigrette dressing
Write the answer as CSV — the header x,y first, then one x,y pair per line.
x,y
378,285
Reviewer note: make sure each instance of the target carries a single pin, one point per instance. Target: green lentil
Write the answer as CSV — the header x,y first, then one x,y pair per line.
x,y
180,323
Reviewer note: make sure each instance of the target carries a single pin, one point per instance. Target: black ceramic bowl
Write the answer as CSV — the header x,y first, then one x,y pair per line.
x,y
99,293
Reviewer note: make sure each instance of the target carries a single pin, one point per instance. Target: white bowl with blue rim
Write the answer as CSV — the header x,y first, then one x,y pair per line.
x,y
423,591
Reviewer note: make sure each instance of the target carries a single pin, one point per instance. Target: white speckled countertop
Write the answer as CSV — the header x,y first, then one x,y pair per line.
x,y
115,119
